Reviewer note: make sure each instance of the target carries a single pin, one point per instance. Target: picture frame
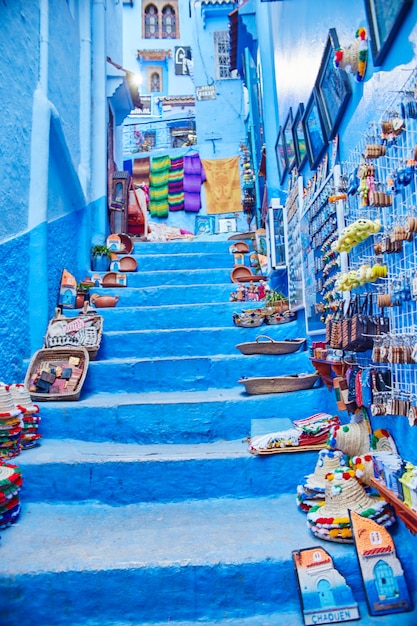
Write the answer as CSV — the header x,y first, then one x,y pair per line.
x,y
333,86
384,20
289,141
281,155
314,132
204,225
299,137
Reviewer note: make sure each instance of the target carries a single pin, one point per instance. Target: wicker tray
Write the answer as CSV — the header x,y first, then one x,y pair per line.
x,y
62,331
280,318
54,358
266,345
249,318
279,384
308,448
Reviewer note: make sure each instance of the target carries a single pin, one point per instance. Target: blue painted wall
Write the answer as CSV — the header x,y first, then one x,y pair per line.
x,y
47,201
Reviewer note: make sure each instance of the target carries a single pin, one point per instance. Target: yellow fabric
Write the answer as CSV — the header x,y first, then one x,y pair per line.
x,y
222,187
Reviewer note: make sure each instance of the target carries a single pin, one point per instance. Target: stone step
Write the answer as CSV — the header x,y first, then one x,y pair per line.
x,y
184,261
197,315
215,244
121,474
209,561
132,295
177,277
191,373
174,417
188,341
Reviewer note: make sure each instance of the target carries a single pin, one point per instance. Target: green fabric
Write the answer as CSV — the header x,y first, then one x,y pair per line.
x,y
158,192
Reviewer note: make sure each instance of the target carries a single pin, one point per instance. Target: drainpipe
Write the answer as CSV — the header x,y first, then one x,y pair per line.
x,y
99,123
38,192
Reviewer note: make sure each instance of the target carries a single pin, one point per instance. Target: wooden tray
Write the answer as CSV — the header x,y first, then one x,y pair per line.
x,y
279,384
312,446
53,358
270,346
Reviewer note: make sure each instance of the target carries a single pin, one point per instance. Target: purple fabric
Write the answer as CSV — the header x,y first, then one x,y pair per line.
x,y
194,177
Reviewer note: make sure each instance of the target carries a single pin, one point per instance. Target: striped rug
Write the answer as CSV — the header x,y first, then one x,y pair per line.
x,y
176,185
158,192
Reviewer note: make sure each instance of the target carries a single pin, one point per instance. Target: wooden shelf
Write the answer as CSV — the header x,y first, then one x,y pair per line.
x,y
329,369
407,515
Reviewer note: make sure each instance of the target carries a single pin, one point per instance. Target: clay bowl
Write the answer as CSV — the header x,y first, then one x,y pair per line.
x,y
102,302
126,246
241,273
128,264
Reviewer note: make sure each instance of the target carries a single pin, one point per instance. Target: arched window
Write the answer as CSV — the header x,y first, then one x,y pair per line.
x,y
169,29
160,19
151,22
155,82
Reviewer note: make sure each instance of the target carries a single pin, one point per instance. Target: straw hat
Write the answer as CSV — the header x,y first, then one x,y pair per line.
x,y
21,398
7,405
363,466
343,493
327,462
352,439
353,58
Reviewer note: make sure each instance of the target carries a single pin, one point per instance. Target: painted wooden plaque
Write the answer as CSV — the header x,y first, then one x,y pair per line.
x,y
382,574
324,594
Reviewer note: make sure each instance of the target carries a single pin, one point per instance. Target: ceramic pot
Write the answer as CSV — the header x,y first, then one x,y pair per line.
x,y
104,301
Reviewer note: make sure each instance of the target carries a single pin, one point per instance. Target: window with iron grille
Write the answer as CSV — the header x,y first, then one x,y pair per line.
x,y
222,53
151,22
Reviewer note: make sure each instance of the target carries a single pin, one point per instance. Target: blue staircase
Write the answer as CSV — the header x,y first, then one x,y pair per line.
x,y
143,504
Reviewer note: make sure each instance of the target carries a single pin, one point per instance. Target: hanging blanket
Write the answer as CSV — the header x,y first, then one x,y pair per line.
x,y
223,193
194,177
176,185
158,193
141,170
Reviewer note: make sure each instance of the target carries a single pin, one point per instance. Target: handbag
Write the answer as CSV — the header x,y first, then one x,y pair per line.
x,y
360,328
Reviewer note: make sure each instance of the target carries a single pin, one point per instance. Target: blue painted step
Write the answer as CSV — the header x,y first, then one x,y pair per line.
x,y
188,373
174,417
151,278
154,343
169,295
201,560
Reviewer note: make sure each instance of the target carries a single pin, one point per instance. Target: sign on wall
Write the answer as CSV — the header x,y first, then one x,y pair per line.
x,y
182,60
207,92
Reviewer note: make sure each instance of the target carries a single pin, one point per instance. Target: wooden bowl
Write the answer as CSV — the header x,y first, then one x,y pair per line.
x,y
126,246
128,264
104,301
241,273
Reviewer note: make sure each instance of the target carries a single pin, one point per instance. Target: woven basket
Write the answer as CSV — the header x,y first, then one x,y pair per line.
x,y
279,384
62,331
280,318
128,264
53,358
266,345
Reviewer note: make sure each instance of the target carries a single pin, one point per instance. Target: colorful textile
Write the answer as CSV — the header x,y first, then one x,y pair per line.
x,y
223,193
194,177
158,193
141,171
176,185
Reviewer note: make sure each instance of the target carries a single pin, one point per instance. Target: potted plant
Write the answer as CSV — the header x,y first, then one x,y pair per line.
x,y
276,300
83,293
100,258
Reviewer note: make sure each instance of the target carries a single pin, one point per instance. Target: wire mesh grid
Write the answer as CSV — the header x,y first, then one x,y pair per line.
x,y
380,178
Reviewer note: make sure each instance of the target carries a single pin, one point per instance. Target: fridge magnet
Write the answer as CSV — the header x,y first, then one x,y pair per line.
x,y
67,291
325,596
382,574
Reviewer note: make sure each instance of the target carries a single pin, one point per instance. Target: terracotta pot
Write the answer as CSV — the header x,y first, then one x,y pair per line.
x,y
104,301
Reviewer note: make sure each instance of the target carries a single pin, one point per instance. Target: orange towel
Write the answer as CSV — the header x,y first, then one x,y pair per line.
x,y
222,187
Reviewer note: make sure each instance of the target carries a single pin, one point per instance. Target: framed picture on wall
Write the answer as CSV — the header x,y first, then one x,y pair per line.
x,y
299,137
333,87
314,132
289,140
384,19
281,155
